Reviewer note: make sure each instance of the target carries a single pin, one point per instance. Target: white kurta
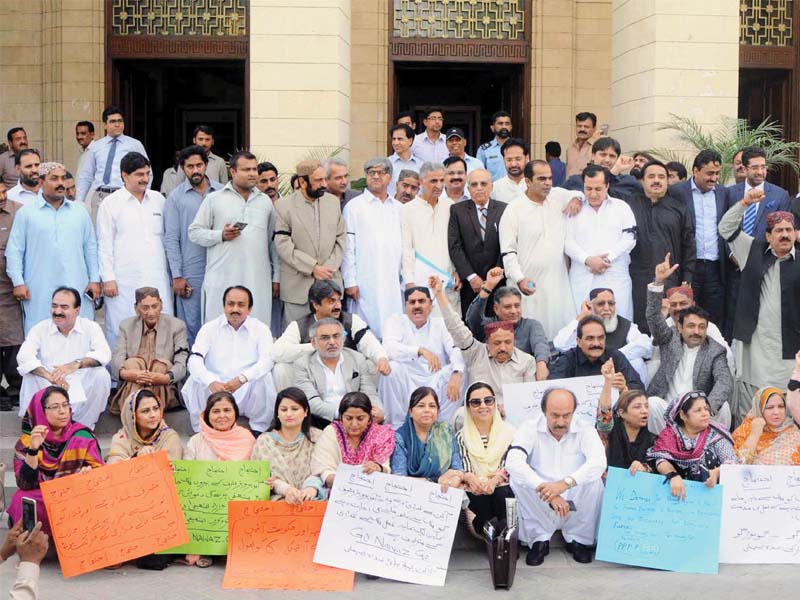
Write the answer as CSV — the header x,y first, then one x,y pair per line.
x,y
249,260
610,229
532,246
131,249
506,190
373,256
402,341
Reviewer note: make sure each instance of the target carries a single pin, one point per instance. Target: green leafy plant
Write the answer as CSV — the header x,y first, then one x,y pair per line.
x,y
730,136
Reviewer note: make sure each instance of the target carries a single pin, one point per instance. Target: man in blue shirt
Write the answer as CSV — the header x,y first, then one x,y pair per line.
x,y
489,153
552,154
99,174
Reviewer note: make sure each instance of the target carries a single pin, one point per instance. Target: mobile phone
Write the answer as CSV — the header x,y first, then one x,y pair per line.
x,y
571,505
88,294
604,128
28,514
239,225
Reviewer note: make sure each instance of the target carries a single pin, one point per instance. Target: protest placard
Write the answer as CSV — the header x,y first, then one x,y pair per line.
x,y
115,513
523,401
760,514
272,545
642,524
204,489
389,526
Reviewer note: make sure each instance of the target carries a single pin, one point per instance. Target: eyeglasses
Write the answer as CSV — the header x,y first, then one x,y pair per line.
x,y
476,402
57,407
327,338
376,173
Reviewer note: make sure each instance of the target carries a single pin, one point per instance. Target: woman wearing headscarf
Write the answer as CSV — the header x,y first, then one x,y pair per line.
x,y
52,445
768,435
691,446
482,444
143,430
426,447
353,439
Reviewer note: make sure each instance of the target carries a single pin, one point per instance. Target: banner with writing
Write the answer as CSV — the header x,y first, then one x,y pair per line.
x,y
760,514
204,489
389,526
115,513
523,401
642,524
272,546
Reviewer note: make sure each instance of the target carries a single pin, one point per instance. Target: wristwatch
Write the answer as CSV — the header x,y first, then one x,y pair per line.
x,y
31,451
242,379
171,376
571,483
78,362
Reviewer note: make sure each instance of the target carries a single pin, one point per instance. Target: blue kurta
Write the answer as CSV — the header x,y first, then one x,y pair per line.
x,y
49,248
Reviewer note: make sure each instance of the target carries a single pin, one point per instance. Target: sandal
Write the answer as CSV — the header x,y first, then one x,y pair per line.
x,y
204,562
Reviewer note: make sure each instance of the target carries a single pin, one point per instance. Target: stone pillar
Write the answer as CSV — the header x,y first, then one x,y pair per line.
x,y
299,78
672,56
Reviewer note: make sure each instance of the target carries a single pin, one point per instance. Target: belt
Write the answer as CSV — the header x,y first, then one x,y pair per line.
x,y
702,260
106,189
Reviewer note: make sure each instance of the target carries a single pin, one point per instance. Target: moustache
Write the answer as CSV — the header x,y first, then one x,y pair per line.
x,y
785,239
595,347
236,314
58,315
61,188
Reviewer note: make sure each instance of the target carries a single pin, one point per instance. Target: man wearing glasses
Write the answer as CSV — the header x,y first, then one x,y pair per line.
x,y
430,145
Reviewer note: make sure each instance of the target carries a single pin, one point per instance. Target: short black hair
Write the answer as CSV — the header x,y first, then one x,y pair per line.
x,y
594,171
422,392
265,166
499,114
76,295
604,143
553,149
12,131
698,311
582,116
402,127
654,163
531,165
404,114
752,152
190,151
133,161
88,124
24,152
112,110
204,129
679,168
215,398
68,175
551,390
454,159
706,156
241,288
321,289
241,154
519,143
355,400
430,111
586,321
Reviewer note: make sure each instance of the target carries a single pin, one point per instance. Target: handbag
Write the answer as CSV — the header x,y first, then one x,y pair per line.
x,y
502,548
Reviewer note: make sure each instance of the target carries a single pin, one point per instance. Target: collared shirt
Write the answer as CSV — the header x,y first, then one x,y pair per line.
x,y
683,379
45,346
221,352
574,363
559,171
472,163
335,385
609,229
506,190
93,166
492,159
216,169
578,157
464,195
21,195
637,344
8,170
169,181
425,230
426,150
402,341
536,457
11,333
705,228
529,334
398,164
186,259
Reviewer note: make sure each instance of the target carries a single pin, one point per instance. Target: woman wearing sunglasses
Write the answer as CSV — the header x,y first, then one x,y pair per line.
x,y
483,443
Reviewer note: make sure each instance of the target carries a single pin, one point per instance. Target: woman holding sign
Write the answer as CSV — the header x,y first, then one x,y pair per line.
x,y
425,446
353,439
482,444
143,430
768,436
288,445
626,436
52,445
691,446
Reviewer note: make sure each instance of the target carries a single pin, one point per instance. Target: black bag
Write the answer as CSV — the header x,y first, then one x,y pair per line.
x,y
154,562
502,547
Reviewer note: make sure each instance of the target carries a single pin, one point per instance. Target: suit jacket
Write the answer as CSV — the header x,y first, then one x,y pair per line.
x,y
300,249
711,373
776,198
171,344
309,376
683,192
469,253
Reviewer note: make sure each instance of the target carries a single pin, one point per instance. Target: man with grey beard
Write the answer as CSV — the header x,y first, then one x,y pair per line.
x,y
621,334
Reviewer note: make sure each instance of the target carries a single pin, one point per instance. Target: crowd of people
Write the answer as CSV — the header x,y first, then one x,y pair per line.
x,y
379,327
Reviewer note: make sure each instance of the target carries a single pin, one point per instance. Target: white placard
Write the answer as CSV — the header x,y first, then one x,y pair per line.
x,y
389,526
760,514
523,401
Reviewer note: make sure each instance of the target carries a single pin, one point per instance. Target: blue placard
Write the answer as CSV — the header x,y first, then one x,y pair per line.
x,y
641,524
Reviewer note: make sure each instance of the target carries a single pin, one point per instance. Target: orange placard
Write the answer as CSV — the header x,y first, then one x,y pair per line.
x,y
271,546
115,513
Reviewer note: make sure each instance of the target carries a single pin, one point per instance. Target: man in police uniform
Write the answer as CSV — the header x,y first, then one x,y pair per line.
x,y
489,153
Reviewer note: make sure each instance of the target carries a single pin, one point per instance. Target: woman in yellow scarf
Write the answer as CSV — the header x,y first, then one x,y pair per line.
x,y
768,435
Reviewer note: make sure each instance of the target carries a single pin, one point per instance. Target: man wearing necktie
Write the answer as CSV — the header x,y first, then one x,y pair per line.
x,y
99,173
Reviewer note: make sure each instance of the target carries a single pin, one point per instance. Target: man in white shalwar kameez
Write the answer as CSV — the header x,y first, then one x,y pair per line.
x,y
373,252
532,232
130,232
599,242
232,353
421,352
236,226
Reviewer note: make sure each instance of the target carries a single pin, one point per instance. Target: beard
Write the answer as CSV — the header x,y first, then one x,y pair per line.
x,y
611,324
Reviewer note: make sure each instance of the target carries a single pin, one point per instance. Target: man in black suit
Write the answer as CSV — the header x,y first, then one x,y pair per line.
x,y
473,237
707,201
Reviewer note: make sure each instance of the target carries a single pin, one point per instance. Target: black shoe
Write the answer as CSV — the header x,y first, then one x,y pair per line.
x,y
537,553
580,552
7,403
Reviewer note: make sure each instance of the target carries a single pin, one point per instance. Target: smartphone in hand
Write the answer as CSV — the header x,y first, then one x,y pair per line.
x,y
28,514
